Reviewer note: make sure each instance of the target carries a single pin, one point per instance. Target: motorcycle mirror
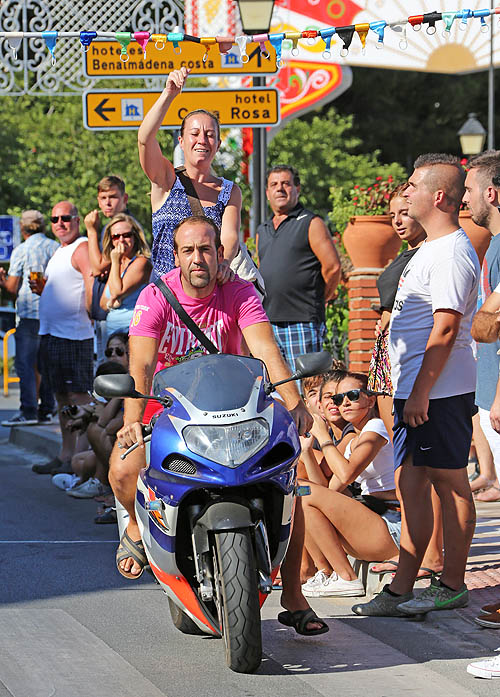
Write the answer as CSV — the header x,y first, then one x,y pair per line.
x,y
311,364
306,366
115,386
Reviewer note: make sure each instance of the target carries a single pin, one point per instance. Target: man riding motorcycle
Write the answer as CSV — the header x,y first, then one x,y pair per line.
x,y
158,339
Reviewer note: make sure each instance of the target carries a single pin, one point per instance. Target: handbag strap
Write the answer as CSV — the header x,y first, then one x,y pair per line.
x,y
183,315
192,196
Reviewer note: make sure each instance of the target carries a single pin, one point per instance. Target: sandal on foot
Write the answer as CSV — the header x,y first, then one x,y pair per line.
x,y
386,571
107,515
429,573
300,619
128,548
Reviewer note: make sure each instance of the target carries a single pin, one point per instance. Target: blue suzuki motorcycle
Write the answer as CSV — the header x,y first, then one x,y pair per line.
x,y
215,502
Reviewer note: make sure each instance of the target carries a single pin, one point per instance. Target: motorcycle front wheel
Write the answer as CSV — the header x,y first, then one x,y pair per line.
x,y
238,600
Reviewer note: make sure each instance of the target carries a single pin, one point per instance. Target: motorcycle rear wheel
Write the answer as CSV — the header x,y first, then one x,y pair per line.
x,y
181,621
238,597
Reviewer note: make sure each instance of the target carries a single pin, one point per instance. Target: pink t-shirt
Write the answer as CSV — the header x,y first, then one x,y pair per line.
x,y
222,315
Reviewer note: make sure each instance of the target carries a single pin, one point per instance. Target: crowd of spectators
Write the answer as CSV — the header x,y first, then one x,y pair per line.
x,y
387,457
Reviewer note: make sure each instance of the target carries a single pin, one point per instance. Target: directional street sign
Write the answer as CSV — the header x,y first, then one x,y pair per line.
x,y
103,60
123,109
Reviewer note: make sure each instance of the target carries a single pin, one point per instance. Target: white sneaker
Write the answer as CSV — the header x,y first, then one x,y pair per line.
x,y
334,586
490,668
311,587
92,487
65,481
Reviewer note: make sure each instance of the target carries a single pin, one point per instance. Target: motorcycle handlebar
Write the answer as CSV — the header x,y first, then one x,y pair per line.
x,y
146,430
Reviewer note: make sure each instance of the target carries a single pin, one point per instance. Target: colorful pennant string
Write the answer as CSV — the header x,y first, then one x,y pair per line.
x,y
124,38
379,29
86,38
142,38
326,35
50,38
176,37
362,31
225,43
14,41
276,41
346,34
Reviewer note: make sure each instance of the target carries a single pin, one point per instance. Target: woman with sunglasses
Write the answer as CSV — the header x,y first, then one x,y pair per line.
x,y
125,245
336,524
117,348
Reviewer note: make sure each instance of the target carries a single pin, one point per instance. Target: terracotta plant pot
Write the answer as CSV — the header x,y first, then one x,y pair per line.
x,y
480,237
371,241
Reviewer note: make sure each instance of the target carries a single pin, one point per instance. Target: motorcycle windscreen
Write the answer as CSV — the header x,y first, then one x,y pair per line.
x,y
219,382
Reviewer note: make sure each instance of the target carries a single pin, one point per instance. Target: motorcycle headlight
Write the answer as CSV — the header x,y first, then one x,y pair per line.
x,y
228,445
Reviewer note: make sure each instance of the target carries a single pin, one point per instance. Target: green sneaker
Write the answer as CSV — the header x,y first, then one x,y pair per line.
x,y
382,605
436,597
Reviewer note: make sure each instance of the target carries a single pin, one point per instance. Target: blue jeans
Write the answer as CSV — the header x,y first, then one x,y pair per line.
x,y
27,342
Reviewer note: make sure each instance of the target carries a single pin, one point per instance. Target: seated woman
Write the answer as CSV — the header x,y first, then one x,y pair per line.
x,y
341,524
125,245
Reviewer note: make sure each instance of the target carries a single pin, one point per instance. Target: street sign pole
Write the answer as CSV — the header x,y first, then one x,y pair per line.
x,y
259,168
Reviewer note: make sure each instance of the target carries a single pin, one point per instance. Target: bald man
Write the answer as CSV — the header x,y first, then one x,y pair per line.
x,y
434,378
67,336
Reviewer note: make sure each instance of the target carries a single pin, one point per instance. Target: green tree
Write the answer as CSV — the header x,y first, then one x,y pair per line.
x,y
326,152
48,155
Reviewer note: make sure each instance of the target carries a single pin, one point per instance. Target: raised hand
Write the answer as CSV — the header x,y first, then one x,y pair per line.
x,y
175,81
92,220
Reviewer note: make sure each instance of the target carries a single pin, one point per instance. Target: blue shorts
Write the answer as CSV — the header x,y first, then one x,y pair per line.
x,y
442,442
297,338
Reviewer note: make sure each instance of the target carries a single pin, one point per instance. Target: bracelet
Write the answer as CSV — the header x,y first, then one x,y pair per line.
x,y
328,442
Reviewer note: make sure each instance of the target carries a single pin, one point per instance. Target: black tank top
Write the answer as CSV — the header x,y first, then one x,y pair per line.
x,y
295,290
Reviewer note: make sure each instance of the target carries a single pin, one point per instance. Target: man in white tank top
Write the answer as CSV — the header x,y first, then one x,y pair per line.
x,y
67,335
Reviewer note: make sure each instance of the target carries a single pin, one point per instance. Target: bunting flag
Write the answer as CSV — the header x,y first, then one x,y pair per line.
x,y
214,11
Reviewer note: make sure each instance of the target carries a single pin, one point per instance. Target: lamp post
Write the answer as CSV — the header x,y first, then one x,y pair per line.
x,y
472,136
256,19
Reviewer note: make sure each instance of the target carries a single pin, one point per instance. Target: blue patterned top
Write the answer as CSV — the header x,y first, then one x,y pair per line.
x,y
175,209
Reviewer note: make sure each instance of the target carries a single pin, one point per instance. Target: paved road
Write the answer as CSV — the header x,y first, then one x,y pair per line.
x,y
70,626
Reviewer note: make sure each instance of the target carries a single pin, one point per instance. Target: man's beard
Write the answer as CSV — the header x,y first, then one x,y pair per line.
x,y
197,280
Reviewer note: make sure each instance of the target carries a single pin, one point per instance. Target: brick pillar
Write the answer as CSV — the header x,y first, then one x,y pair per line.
x,y
362,292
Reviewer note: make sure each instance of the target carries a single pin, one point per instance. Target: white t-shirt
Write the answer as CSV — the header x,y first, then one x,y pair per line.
x,y
379,475
442,275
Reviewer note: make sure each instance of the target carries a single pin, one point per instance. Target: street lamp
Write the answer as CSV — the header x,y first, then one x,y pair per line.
x,y
256,19
256,15
472,136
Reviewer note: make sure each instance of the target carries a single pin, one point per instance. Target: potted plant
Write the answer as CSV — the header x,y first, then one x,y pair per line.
x,y
362,212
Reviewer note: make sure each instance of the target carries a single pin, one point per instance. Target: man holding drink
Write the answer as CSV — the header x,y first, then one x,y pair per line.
x,y
28,262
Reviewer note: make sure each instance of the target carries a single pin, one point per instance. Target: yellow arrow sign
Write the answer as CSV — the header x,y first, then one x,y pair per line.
x,y
103,60
122,109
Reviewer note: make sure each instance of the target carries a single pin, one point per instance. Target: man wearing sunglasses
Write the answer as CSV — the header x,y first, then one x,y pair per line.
x,y
67,336
434,378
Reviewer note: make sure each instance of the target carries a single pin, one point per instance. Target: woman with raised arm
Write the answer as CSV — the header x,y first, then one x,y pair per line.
x,y
219,197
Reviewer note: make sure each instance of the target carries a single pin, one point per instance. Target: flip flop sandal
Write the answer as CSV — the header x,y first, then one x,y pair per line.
x,y
386,571
128,548
300,619
108,515
429,573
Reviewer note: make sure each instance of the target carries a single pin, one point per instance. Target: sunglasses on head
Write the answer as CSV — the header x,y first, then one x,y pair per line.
x,y
117,349
352,396
64,218
125,235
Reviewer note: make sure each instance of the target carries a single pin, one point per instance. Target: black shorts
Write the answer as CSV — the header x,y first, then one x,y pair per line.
x,y
442,442
69,363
